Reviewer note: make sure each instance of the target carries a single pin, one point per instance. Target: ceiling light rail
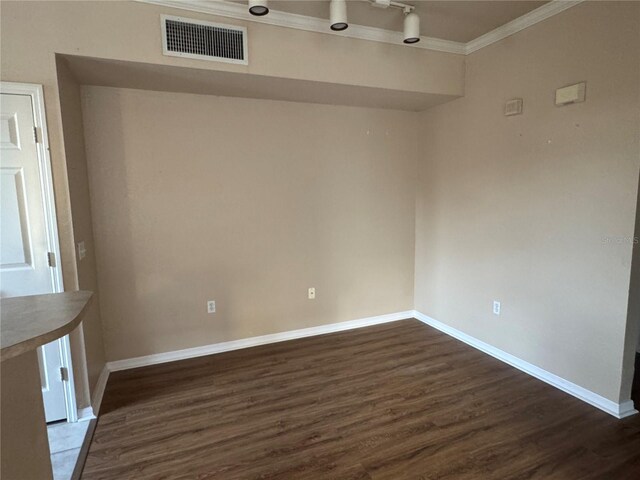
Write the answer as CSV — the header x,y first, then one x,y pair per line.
x,y
411,19
389,3
338,21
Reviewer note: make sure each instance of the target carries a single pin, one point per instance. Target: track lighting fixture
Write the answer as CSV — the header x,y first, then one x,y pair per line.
x,y
411,19
258,7
411,27
338,15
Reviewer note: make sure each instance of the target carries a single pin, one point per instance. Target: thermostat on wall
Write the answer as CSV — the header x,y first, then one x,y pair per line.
x,y
571,94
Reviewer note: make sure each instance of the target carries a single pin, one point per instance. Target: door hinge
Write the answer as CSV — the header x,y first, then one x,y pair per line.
x,y
35,134
51,258
64,374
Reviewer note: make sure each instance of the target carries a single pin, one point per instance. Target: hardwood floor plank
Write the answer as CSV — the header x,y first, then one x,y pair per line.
x,y
394,401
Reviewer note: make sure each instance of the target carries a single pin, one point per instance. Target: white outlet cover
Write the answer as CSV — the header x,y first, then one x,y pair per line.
x,y
312,293
211,306
496,307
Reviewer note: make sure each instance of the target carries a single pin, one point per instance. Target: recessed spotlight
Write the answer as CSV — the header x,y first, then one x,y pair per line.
x,y
338,15
258,7
411,28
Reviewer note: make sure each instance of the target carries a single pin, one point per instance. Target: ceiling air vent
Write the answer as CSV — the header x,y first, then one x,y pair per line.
x,y
183,37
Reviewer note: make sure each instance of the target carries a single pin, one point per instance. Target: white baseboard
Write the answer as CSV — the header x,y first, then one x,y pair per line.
x,y
85,414
618,410
254,341
98,391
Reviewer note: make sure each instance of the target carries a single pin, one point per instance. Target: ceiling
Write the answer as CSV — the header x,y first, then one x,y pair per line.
x,y
459,21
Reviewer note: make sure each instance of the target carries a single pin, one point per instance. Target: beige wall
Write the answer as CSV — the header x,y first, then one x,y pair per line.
x,y
33,32
249,203
516,208
73,142
512,209
23,433
632,338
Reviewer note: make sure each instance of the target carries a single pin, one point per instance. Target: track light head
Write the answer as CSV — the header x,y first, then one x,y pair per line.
x,y
411,28
338,15
258,7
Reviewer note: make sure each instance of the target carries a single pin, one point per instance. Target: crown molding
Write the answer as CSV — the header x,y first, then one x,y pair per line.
x,y
239,11
514,26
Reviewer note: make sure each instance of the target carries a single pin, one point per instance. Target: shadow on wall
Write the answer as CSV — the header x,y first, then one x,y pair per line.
x,y
117,169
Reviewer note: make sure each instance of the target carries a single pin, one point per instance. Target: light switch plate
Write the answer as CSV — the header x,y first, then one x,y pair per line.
x,y
82,251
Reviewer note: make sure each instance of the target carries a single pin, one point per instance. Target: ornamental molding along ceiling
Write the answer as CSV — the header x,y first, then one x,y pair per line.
x,y
240,11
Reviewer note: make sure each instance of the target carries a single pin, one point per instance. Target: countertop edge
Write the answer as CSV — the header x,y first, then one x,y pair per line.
x,y
32,343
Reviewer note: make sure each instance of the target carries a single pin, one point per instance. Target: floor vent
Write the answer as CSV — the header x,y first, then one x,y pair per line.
x,y
184,37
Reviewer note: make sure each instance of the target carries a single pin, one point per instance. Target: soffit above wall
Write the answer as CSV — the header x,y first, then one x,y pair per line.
x,y
146,76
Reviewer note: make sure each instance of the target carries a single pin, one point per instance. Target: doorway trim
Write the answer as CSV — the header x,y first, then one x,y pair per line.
x,y
36,93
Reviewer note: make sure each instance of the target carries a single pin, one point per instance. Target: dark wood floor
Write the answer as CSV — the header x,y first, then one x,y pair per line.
x,y
395,401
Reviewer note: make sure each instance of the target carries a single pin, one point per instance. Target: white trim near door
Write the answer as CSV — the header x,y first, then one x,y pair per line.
x,y
46,179
98,391
69,384
51,224
92,411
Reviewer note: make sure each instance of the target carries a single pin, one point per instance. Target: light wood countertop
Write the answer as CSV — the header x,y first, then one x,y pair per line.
x,y
30,322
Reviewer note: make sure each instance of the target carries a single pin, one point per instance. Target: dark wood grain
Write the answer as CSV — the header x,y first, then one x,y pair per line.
x,y
394,401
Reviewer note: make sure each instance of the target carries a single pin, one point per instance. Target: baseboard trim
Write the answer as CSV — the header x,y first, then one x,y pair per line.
x,y
98,392
618,410
85,414
254,341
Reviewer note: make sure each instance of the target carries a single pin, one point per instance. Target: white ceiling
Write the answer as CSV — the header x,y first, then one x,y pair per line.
x,y
459,21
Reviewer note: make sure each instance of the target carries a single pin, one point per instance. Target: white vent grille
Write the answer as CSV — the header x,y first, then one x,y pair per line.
x,y
183,37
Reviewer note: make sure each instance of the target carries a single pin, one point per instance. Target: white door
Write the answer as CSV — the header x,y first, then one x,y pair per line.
x,y
24,262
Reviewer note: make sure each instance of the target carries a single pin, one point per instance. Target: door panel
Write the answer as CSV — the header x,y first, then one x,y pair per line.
x,y
16,242
24,267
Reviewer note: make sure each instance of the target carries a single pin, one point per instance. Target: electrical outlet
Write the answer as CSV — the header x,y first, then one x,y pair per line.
x,y
312,294
496,307
211,306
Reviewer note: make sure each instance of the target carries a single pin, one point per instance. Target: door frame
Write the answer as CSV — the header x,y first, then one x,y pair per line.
x,y
36,93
